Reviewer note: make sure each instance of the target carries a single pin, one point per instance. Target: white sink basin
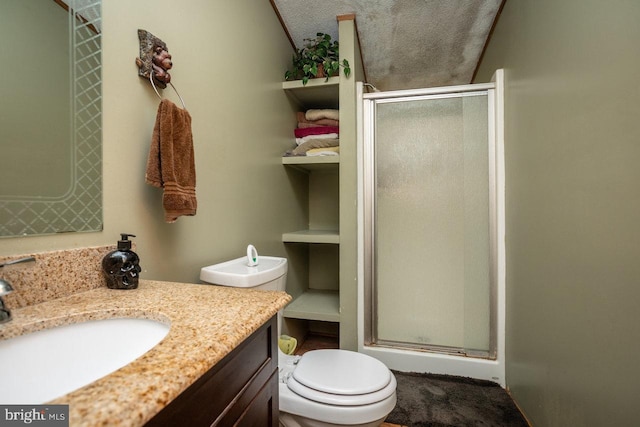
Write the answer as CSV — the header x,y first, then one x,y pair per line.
x,y
47,364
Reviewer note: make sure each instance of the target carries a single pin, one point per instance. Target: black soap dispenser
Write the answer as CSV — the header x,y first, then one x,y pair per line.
x,y
122,266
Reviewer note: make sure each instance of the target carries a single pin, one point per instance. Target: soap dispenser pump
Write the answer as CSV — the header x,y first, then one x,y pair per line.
x,y
122,266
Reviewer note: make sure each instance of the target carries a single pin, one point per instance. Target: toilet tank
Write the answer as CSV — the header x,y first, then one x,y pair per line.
x,y
269,274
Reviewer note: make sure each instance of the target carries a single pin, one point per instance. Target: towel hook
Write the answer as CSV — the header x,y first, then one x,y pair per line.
x,y
155,62
158,93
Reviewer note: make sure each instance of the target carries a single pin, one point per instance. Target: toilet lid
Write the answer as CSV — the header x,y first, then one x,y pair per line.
x,y
340,376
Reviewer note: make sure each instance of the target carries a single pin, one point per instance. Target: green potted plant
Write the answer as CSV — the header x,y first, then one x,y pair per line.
x,y
318,58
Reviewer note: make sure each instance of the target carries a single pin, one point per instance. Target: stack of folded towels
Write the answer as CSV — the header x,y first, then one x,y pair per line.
x,y
317,133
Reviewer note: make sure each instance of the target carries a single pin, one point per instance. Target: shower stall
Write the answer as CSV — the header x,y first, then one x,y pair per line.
x,y
431,229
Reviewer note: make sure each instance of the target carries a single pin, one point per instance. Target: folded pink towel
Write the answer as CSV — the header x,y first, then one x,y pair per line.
x,y
171,163
318,130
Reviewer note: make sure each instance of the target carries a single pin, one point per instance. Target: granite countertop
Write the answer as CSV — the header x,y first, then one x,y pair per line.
x,y
207,322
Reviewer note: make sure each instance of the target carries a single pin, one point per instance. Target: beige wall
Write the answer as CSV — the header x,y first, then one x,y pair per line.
x,y
573,207
229,59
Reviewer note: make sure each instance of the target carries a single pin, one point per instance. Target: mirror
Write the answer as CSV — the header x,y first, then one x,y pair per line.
x,y
50,117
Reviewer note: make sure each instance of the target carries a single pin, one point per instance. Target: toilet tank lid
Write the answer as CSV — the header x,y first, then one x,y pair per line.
x,y
341,372
237,273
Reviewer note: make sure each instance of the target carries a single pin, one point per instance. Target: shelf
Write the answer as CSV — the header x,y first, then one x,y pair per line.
x,y
325,191
313,163
315,305
312,236
317,93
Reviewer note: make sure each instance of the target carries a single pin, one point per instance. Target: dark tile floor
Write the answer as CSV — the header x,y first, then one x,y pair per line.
x,y
440,400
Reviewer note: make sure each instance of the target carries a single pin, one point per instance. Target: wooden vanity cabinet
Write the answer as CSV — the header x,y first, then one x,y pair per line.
x,y
240,390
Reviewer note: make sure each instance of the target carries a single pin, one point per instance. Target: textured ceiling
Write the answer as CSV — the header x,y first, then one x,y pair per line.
x,y
406,44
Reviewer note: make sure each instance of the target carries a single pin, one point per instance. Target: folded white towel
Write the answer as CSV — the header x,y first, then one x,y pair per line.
x,y
310,137
315,143
329,151
317,114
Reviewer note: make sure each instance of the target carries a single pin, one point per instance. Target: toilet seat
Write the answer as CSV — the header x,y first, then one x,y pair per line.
x,y
341,377
341,400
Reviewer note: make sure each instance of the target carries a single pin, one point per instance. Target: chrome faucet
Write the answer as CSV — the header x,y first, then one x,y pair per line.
x,y
5,289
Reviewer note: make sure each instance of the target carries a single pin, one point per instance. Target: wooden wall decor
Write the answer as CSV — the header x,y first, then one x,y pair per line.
x,y
154,60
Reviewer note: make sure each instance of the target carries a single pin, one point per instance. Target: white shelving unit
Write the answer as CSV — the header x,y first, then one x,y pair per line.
x,y
310,303
327,251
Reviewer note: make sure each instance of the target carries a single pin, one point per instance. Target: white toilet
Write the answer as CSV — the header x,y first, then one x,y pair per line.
x,y
321,387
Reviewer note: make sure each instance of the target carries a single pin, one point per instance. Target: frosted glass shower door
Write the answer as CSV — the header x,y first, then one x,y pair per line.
x,y
431,223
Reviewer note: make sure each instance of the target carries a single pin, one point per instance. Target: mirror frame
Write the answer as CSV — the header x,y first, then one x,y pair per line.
x,y
80,210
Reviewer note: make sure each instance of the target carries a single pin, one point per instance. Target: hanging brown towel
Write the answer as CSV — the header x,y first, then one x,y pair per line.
x,y
171,163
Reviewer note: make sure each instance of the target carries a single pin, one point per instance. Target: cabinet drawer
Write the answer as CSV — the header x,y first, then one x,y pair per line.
x,y
223,394
263,409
